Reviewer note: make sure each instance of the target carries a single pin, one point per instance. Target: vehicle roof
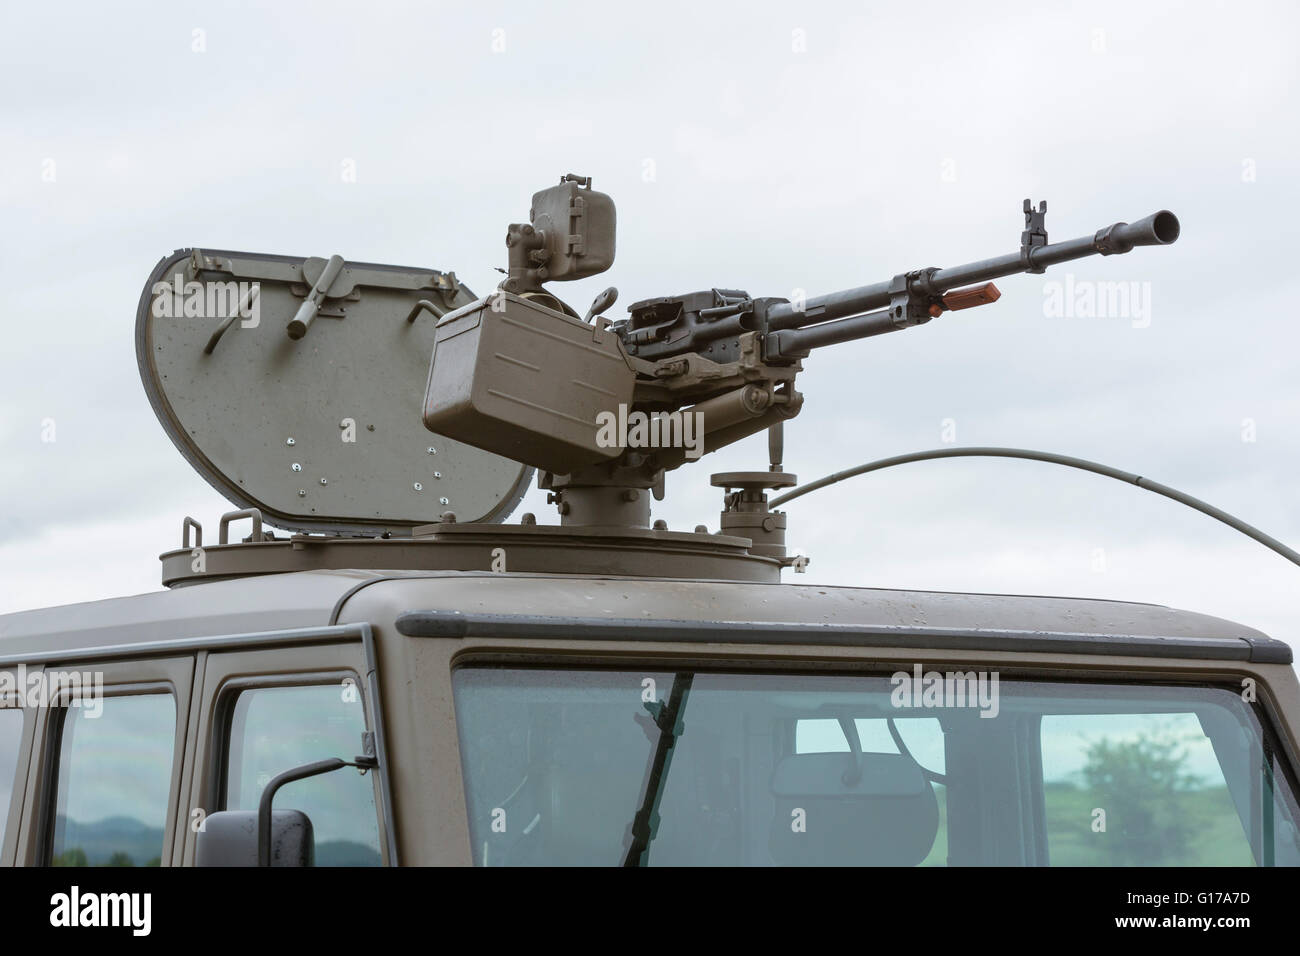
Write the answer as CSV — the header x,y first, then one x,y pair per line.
x,y
263,603
313,598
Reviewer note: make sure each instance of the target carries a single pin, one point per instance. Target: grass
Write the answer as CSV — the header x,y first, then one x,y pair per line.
x,y
1218,839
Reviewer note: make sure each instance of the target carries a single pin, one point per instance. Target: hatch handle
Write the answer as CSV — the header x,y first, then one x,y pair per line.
x,y
243,310
307,312
424,305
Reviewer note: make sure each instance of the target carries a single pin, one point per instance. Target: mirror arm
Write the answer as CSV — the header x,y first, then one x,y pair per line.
x,y
289,776
853,775
931,775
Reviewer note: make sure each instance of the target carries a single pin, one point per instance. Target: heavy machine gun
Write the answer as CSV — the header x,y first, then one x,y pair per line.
x,y
604,408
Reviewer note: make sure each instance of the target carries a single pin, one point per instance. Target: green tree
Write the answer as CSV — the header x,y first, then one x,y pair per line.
x,y
73,857
120,859
1141,785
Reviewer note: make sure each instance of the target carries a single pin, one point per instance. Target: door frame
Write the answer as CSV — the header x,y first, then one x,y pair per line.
x,y
12,824
182,662
229,671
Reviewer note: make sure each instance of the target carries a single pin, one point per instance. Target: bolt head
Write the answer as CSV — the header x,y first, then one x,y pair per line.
x,y
418,487
324,482
289,441
296,467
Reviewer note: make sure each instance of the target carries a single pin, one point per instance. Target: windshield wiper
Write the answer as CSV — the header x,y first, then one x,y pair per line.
x,y
668,718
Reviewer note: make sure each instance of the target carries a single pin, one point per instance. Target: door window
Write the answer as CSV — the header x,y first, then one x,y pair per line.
x,y
114,778
274,729
1138,790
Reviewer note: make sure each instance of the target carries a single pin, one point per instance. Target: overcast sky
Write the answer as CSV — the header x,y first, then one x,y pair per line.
x,y
763,146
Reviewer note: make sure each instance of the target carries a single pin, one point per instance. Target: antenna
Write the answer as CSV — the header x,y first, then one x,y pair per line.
x,y
1146,484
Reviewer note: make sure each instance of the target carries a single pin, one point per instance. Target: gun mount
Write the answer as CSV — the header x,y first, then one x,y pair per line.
x,y
311,420
605,408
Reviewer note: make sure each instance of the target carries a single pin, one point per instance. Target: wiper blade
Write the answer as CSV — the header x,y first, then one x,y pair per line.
x,y
668,718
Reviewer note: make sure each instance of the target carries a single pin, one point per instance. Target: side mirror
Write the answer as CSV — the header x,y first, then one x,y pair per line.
x,y
230,838
276,837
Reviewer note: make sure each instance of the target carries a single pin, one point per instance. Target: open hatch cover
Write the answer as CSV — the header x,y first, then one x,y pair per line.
x,y
296,386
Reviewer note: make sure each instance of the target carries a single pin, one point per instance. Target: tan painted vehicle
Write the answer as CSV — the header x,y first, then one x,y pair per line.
x,y
508,736
406,678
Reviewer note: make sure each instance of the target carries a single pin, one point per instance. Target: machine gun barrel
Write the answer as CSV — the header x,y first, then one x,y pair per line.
x,y
793,341
1160,228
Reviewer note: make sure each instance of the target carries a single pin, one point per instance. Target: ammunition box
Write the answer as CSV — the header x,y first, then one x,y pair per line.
x,y
526,382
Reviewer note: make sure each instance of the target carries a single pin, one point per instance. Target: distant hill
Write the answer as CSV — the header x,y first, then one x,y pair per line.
x,y
346,853
113,841
126,841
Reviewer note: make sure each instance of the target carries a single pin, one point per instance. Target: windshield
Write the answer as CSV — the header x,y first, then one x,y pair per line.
x,y
601,767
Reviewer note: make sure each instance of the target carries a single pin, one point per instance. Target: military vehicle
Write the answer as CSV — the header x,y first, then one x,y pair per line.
x,y
405,676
